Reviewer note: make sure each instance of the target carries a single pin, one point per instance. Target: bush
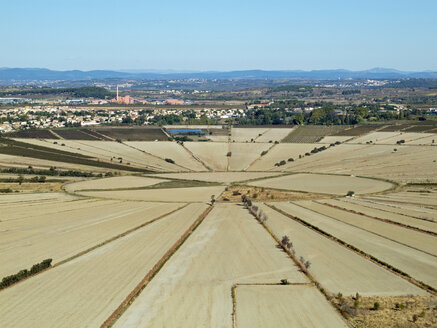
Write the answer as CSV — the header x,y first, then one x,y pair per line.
x,y
291,159
169,160
263,152
376,306
284,282
350,193
229,154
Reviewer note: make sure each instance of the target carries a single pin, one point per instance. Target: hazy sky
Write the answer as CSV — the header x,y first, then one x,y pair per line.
x,y
219,35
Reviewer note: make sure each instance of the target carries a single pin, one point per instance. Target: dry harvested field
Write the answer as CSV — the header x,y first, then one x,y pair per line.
x,y
370,210
328,184
199,194
283,151
274,134
417,264
212,154
418,198
225,177
157,250
86,290
391,138
284,306
414,239
380,161
113,183
248,134
429,140
415,211
24,162
229,247
61,235
17,199
375,137
244,154
109,151
170,150
337,268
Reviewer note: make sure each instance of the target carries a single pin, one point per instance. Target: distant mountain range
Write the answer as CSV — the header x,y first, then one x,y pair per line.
x,y
38,74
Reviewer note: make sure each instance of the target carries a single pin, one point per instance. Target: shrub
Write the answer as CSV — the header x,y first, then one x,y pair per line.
x,y
284,282
356,304
249,202
350,193
229,154
291,159
263,152
376,306
169,160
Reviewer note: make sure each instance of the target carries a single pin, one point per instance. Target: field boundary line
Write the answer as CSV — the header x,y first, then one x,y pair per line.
x,y
301,266
55,134
102,244
196,158
157,157
118,312
358,251
379,219
260,157
369,231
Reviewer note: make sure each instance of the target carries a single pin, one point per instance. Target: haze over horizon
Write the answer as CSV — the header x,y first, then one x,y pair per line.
x,y
198,36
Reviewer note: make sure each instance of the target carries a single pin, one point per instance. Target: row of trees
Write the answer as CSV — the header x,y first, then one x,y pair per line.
x,y
23,274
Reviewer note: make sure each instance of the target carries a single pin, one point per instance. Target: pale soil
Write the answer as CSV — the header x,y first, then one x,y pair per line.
x,y
406,209
388,316
59,236
107,150
424,141
395,217
417,264
217,138
247,134
244,154
335,267
274,134
198,194
25,162
85,291
410,197
224,177
281,152
329,184
211,153
284,306
12,211
25,198
379,161
375,137
170,150
408,137
412,238
127,181
194,287
334,139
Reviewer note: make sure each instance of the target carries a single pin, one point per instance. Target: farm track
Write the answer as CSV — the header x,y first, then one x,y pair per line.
x,y
366,255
